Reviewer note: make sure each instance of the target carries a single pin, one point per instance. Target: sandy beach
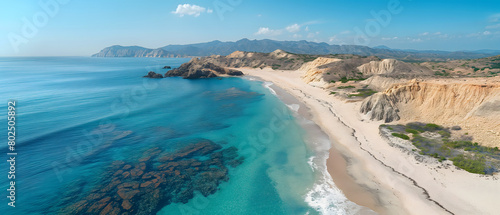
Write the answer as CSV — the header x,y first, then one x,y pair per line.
x,y
374,174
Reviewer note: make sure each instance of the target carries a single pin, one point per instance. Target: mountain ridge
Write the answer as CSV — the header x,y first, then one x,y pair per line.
x,y
217,47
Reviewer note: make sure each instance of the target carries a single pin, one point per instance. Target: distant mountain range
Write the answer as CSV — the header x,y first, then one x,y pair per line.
x,y
299,47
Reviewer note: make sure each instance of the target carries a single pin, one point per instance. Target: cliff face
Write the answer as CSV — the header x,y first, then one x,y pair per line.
x,y
391,66
324,70
313,73
475,107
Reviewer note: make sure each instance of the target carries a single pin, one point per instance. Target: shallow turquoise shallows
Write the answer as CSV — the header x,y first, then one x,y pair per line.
x,y
77,115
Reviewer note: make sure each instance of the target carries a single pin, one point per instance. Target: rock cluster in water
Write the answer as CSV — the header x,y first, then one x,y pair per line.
x,y
197,68
152,74
157,179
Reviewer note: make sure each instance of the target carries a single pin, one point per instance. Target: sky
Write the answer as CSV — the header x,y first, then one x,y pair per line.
x,y
82,28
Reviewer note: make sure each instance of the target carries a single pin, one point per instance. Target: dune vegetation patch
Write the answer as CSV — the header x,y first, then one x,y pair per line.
x,y
445,143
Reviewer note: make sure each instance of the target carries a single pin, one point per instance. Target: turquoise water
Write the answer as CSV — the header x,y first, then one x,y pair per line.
x,y
77,115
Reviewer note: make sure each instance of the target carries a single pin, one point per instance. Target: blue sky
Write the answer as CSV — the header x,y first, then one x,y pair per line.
x,y
81,28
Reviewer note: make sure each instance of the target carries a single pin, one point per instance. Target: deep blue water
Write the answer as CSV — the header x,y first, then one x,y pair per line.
x,y
77,115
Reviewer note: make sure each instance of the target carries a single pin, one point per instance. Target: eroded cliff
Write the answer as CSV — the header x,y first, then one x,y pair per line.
x,y
472,105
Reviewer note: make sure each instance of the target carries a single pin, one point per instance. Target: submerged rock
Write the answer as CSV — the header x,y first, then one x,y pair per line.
x,y
156,179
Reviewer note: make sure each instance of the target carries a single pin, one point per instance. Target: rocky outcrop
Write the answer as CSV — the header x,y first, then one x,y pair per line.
x,y
167,67
473,106
152,74
199,68
380,107
313,74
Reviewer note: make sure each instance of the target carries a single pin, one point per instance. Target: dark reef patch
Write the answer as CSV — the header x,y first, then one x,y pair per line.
x,y
154,180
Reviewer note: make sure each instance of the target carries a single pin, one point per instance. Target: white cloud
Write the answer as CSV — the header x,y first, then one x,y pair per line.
x,y
296,36
493,26
495,18
267,31
486,33
293,28
389,38
345,32
190,10
312,35
424,34
307,28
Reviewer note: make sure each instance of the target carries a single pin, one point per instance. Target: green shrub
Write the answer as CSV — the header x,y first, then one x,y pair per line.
x,y
432,127
413,131
346,87
402,136
364,93
444,133
477,165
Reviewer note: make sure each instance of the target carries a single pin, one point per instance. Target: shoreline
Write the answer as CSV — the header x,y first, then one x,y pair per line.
x,y
305,117
373,174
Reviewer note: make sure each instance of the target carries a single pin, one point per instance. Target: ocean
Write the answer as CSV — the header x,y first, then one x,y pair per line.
x,y
92,135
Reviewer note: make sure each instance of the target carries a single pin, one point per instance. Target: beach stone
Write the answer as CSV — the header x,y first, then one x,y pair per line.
x,y
126,167
142,166
79,206
107,209
126,174
147,183
127,193
147,175
133,185
118,172
136,172
96,207
126,205
117,164
145,159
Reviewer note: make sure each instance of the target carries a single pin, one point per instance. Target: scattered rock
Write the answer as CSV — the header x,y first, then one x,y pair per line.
x,y
126,205
152,74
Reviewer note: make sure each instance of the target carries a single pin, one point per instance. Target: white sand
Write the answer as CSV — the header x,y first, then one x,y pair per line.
x,y
397,182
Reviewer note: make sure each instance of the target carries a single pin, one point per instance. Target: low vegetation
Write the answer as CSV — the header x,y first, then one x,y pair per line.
x,y
363,93
402,136
436,141
346,87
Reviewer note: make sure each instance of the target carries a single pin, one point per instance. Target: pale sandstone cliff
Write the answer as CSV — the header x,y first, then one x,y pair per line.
x,y
313,73
388,66
472,105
